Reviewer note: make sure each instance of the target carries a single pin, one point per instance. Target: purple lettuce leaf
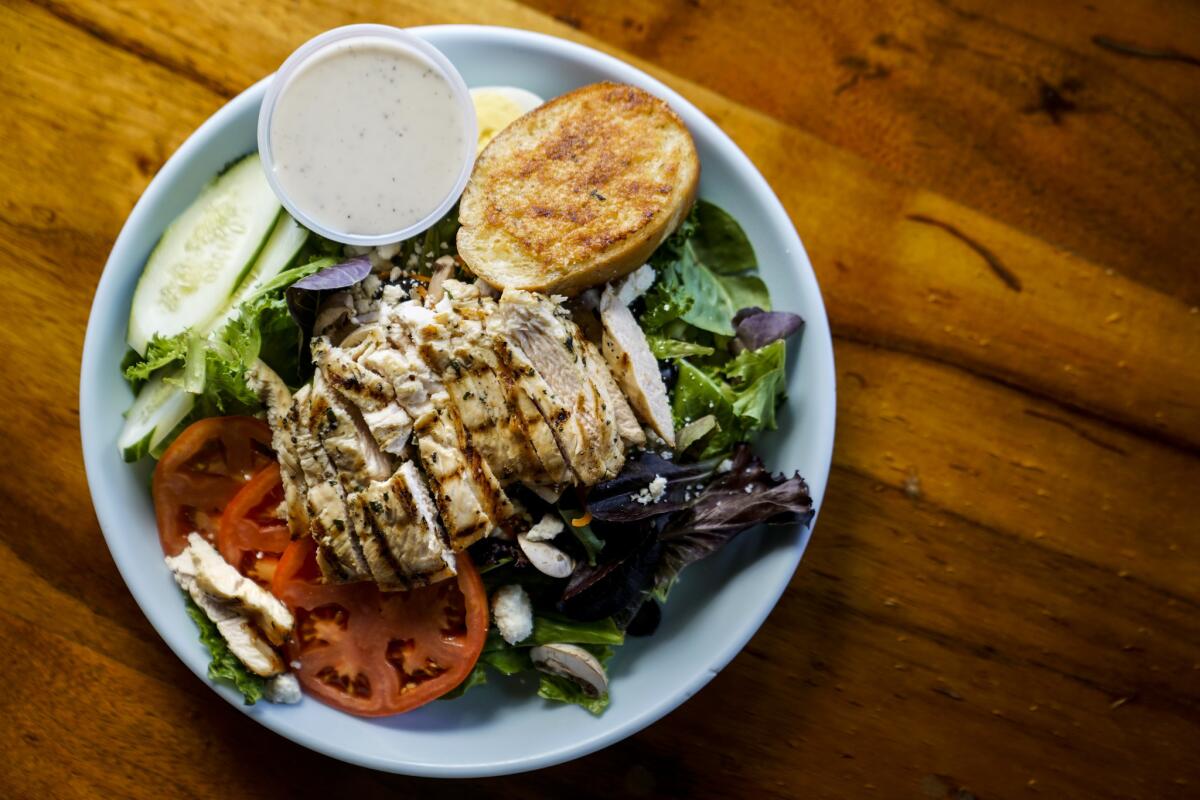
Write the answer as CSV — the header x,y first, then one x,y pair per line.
x,y
755,328
339,276
304,296
734,501
614,500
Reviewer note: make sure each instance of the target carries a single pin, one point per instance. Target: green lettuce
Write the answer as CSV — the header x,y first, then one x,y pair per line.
x,y
758,379
664,347
702,274
741,394
224,665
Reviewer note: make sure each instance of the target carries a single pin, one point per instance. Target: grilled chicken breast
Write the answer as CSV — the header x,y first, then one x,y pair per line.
x,y
370,392
278,399
544,351
339,555
247,616
635,367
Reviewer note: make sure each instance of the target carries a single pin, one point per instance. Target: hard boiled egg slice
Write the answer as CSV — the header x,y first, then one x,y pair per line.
x,y
497,106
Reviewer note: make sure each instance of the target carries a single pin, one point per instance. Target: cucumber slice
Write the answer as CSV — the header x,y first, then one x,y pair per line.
x,y
204,254
157,411
278,254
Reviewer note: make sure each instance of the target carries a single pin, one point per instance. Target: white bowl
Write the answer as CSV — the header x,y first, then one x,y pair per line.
x,y
501,727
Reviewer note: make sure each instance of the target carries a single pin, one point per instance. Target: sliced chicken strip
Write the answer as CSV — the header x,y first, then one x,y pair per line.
x,y
373,394
628,427
634,366
488,413
245,641
216,576
350,446
449,476
271,389
542,342
435,339
404,518
340,556
374,545
358,461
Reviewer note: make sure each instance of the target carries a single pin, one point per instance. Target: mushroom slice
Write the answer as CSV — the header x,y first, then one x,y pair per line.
x,y
574,663
546,558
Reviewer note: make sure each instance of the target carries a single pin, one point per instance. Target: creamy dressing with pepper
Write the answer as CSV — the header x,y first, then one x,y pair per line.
x,y
367,137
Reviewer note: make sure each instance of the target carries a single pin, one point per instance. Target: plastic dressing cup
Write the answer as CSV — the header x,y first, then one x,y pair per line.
x,y
367,134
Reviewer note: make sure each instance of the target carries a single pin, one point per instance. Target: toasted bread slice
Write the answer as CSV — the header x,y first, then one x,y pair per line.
x,y
579,191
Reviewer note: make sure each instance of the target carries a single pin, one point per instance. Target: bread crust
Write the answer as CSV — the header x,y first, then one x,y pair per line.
x,y
579,191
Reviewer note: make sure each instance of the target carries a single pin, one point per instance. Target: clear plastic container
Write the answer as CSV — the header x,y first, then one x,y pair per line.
x,y
414,47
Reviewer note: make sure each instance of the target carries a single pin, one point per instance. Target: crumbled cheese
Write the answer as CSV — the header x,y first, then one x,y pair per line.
x,y
294,665
513,613
547,528
725,466
653,492
388,251
282,689
395,274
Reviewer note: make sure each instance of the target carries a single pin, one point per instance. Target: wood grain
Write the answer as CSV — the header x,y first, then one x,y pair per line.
x,y
1000,201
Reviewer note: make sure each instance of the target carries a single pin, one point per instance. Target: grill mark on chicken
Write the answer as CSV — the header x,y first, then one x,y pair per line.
x,y
373,394
274,393
331,429
489,411
541,338
325,499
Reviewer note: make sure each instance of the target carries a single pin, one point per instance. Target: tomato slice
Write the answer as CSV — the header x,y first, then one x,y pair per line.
x,y
252,535
374,653
201,472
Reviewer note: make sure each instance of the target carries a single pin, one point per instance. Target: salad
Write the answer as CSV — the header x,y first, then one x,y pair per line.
x,y
388,474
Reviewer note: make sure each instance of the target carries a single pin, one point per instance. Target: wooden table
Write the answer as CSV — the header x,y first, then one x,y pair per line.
x,y
1002,203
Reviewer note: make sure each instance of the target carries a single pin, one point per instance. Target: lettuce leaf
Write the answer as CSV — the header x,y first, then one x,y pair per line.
x,y
476,677
702,392
561,690
160,352
663,347
224,665
736,500
758,379
702,274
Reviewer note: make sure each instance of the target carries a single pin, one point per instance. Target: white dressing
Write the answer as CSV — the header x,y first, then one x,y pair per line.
x,y
367,137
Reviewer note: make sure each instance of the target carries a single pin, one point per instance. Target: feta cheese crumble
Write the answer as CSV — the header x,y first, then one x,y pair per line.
x,y
283,688
513,613
546,529
653,492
